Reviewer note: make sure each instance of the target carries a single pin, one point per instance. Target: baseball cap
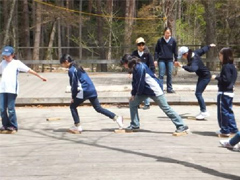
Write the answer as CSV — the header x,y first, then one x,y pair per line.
x,y
182,50
140,40
7,51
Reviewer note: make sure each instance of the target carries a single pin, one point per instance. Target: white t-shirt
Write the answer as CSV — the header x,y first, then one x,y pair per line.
x,y
9,70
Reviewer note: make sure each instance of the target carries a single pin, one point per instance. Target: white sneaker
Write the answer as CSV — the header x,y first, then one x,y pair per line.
x,y
119,121
236,147
225,143
221,134
75,129
202,115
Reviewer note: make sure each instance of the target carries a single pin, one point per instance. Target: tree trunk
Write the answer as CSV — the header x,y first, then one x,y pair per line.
x,y
51,40
110,12
37,34
80,30
6,36
129,14
26,39
169,8
210,19
100,67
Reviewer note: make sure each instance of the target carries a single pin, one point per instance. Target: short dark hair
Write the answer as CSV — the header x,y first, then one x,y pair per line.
x,y
66,57
167,28
130,60
227,55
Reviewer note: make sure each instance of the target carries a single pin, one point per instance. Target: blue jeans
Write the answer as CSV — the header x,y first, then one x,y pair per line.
x,y
162,103
163,67
147,102
236,139
96,105
226,119
201,85
7,108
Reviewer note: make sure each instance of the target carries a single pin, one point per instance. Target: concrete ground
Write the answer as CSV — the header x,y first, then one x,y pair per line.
x,y
43,150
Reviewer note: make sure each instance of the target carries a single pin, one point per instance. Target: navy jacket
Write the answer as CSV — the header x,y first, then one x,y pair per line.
x,y
227,78
196,65
164,51
145,82
82,86
145,58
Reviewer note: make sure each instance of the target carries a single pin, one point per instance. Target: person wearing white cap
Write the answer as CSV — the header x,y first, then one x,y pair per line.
x,y
143,53
9,87
195,64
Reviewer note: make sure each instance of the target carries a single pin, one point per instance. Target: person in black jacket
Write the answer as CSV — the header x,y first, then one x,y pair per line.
x,y
196,65
226,81
165,50
143,53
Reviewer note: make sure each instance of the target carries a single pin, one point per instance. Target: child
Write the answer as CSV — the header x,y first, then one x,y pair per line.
x,y
226,81
9,87
82,88
232,143
146,58
165,50
145,84
196,65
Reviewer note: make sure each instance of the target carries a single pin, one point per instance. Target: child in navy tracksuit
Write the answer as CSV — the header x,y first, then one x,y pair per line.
x,y
82,88
196,65
226,81
143,53
145,84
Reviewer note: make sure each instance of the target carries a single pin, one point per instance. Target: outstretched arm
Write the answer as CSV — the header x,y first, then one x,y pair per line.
x,y
36,74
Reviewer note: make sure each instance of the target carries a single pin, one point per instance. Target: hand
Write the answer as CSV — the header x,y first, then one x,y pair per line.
x,y
130,76
213,77
177,64
44,79
212,45
72,100
155,63
131,98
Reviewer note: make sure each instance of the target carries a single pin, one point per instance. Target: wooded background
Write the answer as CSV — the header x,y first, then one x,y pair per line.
x,y
106,29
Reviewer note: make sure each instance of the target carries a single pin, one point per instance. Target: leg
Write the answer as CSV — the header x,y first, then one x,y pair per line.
x,y
232,126
74,111
96,105
134,110
11,98
147,102
162,69
169,66
162,103
3,109
223,115
201,85
234,140
219,117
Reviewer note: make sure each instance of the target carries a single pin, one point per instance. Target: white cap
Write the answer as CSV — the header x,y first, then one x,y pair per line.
x,y
140,40
182,50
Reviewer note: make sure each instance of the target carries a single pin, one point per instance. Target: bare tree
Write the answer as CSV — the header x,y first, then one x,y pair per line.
x,y
37,33
110,12
6,37
129,14
210,19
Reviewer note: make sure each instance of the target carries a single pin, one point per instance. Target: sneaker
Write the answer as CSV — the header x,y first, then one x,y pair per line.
x,y
76,129
202,115
171,91
182,129
222,134
132,128
11,130
236,147
225,143
3,129
145,107
119,121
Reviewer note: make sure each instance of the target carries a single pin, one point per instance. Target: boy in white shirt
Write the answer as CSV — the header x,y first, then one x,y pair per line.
x,y
9,87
